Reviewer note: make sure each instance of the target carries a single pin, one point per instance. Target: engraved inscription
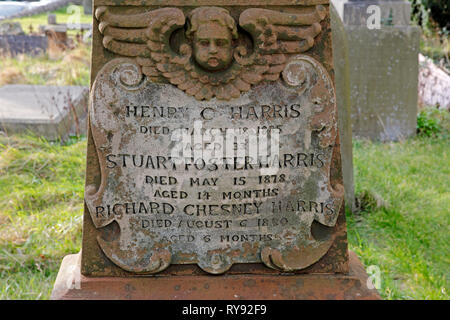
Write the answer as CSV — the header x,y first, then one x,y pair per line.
x,y
177,193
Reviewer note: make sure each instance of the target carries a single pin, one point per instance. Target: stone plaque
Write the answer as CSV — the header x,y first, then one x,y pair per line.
x,y
213,139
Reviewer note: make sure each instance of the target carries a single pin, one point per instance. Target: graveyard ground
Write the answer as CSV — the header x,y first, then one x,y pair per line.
x,y
71,68
402,188
401,228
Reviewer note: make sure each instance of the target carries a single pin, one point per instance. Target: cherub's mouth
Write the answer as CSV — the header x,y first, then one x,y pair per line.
x,y
213,62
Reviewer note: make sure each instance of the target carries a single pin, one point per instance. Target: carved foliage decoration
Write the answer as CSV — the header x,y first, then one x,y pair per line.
x,y
213,59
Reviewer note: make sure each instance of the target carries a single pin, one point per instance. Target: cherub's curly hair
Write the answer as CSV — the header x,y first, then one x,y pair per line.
x,y
208,14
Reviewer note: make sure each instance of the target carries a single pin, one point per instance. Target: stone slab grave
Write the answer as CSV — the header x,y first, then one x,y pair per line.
x,y
213,149
12,45
383,68
53,112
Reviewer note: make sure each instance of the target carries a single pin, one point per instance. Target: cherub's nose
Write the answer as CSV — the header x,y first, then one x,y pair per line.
x,y
212,47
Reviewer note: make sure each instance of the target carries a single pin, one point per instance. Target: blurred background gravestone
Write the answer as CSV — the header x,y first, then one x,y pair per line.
x,y
383,56
342,83
14,41
87,6
53,112
57,38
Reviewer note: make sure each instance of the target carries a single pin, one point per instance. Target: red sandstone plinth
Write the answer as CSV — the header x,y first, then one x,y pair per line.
x,y
70,284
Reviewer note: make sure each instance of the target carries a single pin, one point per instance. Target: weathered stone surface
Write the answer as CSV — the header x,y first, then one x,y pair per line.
x,y
434,85
213,147
383,80
298,193
342,81
87,6
72,285
383,70
144,210
13,45
50,111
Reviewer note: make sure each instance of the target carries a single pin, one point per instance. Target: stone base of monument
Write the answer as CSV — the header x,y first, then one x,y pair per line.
x,y
71,285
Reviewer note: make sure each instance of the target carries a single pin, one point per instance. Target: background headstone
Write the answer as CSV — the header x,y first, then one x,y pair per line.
x,y
87,6
383,69
26,44
393,12
57,40
342,82
11,28
51,19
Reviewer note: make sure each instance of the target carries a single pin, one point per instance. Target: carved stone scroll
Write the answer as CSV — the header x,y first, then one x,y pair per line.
x,y
158,203
211,59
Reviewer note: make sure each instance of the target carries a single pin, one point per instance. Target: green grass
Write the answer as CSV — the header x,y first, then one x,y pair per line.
x,y
403,227
41,200
62,16
407,234
71,68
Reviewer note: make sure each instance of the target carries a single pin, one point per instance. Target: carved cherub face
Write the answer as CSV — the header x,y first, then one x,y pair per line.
x,y
212,46
212,31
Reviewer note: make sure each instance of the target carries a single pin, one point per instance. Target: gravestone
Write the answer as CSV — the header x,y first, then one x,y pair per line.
x,y
57,40
51,19
52,112
213,149
343,103
12,45
11,28
87,6
383,67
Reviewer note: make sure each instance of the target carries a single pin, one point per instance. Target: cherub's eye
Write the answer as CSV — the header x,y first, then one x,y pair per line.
x,y
221,43
204,43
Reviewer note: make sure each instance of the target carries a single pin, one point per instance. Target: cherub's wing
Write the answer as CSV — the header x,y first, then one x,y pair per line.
x,y
145,36
276,34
